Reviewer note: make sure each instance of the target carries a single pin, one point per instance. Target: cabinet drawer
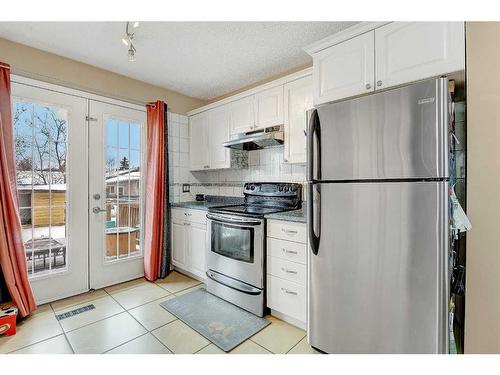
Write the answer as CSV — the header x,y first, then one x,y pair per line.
x,y
286,297
287,230
194,216
287,270
294,251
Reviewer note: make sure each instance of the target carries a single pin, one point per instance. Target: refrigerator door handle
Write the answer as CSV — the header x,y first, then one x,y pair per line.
x,y
313,217
312,133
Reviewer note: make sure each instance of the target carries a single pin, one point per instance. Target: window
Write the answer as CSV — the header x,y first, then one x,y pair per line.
x,y
123,175
40,153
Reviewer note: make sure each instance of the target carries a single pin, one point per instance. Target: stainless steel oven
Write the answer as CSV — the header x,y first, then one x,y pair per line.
x,y
235,260
237,241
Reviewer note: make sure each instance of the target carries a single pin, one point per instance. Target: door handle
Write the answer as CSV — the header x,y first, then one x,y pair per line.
x,y
312,182
98,210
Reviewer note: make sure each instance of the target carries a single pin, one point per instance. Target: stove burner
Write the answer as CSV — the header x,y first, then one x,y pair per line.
x,y
265,198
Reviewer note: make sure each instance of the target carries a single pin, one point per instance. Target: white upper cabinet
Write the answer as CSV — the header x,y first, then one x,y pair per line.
x,y
268,106
298,99
374,56
410,51
198,150
242,115
218,132
345,69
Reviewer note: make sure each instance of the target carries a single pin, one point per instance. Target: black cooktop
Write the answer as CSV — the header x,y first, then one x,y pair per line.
x,y
253,210
265,198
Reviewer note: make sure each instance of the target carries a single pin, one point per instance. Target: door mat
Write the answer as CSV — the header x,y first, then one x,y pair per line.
x,y
221,322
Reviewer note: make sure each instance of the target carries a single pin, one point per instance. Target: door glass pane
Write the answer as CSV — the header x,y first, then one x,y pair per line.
x,y
40,151
232,242
123,189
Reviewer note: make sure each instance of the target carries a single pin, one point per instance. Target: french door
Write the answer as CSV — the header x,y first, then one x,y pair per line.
x,y
116,183
80,181
51,160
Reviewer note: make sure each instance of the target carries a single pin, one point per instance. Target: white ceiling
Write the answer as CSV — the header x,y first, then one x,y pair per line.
x,y
199,59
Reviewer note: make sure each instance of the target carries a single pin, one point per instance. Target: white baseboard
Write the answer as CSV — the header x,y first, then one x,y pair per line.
x,y
295,322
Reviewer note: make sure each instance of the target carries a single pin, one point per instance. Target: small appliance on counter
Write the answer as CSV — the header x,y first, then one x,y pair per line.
x,y
237,242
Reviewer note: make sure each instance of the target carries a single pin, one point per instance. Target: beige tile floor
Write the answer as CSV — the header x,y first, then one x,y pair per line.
x,y
127,319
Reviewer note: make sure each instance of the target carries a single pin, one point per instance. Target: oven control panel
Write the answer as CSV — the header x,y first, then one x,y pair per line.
x,y
273,189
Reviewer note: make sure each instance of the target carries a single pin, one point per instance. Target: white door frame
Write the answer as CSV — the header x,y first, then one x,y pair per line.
x,y
47,281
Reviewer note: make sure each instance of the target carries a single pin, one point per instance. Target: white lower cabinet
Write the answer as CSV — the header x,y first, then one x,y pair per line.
x,y
286,297
179,248
189,231
287,270
197,246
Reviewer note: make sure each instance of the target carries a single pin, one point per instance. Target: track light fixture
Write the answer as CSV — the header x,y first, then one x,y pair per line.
x,y
128,38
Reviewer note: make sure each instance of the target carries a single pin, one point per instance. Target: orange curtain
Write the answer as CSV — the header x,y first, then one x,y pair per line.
x,y
12,253
155,191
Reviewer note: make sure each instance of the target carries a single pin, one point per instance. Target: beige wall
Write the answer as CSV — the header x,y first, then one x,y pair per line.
x,y
35,63
482,310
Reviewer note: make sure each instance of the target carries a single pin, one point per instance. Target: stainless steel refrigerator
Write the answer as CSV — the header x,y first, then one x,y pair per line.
x,y
377,210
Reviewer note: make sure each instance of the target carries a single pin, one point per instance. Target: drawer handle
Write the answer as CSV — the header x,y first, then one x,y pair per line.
x,y
288,271
289,251
186,214
287,291
289,231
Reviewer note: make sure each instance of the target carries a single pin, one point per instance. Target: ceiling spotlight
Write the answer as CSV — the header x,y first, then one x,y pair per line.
x,y
127,40
131,53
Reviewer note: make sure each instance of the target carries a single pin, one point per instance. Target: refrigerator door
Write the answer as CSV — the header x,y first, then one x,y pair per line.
x,y
396,134
378,283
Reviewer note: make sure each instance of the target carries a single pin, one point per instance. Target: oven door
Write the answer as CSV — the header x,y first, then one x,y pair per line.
x,y
236,247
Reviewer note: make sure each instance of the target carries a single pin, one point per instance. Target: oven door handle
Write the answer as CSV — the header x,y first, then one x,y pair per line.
x,y
234,222
233,284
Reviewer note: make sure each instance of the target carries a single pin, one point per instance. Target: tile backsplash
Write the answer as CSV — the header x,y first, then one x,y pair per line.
x,y
263,166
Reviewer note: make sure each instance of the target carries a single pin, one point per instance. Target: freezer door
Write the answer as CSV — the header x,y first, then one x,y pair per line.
x,y
378,281
396,134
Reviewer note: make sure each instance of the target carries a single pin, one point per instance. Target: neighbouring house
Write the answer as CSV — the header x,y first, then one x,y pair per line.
x,y
122,194
42,204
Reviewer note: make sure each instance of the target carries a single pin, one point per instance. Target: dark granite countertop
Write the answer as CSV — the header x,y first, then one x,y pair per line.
x,y
299,216
204,205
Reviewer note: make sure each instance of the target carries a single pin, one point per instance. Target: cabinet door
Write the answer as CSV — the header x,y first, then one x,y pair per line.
x,y
242,115
268,106
198,146
298,100
344,70
410,51
197,248
218,132
179,248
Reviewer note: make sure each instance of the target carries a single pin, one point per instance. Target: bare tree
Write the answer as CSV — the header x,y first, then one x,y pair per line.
x,y
44,150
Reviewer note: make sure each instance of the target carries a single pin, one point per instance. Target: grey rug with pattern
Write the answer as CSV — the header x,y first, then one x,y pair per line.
x,y
221,322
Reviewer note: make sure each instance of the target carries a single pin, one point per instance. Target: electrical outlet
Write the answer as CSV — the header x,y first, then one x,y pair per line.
x,y
186,188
